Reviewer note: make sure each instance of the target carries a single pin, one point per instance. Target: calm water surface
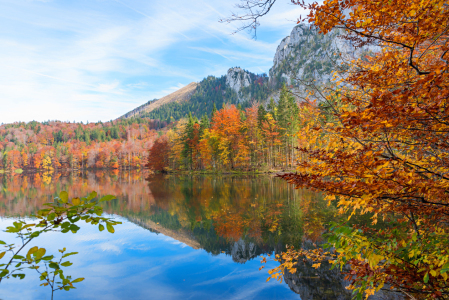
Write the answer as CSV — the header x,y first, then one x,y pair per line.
x,y
182,237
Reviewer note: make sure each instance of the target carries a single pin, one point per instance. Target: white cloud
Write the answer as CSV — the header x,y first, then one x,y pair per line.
x,y
98,59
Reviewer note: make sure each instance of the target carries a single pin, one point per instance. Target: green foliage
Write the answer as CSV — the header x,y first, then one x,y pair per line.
x,y
212,92
61,215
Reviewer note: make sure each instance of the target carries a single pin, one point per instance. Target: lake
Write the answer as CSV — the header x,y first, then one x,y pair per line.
x,y
182,237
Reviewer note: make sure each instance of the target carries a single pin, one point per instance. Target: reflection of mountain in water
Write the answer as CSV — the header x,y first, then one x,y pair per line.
x,y
182,236
241,216
242,251
317,284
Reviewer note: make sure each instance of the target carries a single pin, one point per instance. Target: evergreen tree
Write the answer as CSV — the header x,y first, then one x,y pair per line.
x,y
261,113
204,124
287,112
272,108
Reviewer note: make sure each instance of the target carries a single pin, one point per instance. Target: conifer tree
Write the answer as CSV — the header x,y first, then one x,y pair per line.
x,y
288,112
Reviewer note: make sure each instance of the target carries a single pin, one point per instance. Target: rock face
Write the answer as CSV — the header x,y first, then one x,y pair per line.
x,y
305,55
236,79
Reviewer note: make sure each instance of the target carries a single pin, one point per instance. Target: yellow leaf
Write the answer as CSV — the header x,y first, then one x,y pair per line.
x,y
76,201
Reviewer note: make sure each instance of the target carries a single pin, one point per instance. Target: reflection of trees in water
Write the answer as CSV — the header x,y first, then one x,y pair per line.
x,y
241,216
317,284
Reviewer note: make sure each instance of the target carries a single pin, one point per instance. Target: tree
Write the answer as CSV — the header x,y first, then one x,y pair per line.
x,y
288,113
158,155
382,145
227,124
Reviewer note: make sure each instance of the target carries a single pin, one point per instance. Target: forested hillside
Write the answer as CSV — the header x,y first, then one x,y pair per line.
x,y
61,145
209,92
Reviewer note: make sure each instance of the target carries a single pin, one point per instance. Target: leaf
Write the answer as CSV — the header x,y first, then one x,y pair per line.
x,y
2,254
53,265
426,278
76,201
64,196
100,227
51,217
3,272
110,228
2,243
66,264
32,250
107,198
21,276
69,254
39,253
92,196
77,280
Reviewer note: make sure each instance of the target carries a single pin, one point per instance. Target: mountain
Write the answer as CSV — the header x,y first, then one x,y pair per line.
x,y
183,94
303,56
238,86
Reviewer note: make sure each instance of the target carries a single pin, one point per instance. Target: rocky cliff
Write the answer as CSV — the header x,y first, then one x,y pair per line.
x,y
306,55
303,56
236,79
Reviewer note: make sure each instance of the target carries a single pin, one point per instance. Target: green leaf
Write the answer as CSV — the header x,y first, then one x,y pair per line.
x,y
3,272
39,253
47,258
73,227
92,195
68,254
53,265
77,280
100,227
426,277
110,228
66,264
51,217
2,243
64,196
107,198
445,268
21,276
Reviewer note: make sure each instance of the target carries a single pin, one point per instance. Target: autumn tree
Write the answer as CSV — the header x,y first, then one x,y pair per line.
x,y
380,145
158,155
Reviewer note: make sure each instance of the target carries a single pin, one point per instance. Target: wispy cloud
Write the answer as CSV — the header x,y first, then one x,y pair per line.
x,y
97,59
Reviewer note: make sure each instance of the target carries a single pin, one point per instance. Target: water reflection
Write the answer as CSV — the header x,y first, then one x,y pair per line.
x,y
237,216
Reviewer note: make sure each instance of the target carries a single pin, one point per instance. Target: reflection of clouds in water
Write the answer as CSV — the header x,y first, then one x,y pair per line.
x,y
110,247
135,263
253,289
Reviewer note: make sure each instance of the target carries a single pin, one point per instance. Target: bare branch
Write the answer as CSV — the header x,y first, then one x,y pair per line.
x,y
254,9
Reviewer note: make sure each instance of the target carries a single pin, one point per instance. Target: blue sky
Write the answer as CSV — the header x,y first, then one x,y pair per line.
x,y
90,60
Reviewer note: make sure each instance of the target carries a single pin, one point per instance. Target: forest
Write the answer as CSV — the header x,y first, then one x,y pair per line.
x,y
213,91
250,139
55,145
232,138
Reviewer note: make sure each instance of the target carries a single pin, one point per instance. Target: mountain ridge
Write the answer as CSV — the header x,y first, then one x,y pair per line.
x,y
304,55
